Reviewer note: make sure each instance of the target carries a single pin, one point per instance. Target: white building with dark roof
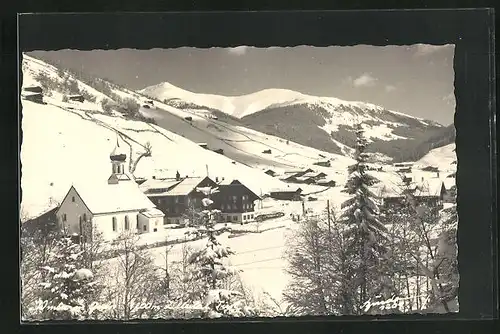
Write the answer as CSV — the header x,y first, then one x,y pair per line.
x,y
111,207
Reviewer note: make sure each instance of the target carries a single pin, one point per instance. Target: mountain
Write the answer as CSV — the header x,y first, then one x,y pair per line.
x,y
325,123
65,141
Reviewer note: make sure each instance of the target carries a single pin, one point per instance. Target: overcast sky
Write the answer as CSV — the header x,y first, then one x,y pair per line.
x,y
416,80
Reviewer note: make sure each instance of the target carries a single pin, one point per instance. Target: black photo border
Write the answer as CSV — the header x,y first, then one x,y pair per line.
x,y
471,31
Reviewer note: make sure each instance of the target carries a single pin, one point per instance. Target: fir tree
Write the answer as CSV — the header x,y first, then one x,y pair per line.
x,y
365,231
211,269
69,287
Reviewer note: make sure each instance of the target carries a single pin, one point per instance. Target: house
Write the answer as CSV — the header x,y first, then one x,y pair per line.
x,y
235,201
305,179
325,163
287,194
271,172
76,98
42,225
268,151
188,118
430,193
303,172
111,207
203,145
326,183
34,97
174,196
33,89
219,151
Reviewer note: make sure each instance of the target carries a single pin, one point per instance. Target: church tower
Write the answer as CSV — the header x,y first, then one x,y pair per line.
x,y
118,159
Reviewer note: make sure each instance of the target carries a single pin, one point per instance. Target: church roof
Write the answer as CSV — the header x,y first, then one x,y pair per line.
x,y
101,197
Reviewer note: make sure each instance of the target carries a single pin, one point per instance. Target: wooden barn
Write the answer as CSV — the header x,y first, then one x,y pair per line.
x,y
34,97
76,98
286,194
33,89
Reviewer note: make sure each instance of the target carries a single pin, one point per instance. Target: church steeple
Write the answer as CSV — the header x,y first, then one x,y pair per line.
x,y
118,158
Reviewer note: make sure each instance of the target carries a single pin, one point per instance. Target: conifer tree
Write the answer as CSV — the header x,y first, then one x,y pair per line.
x,y
69,288
210,266
365,232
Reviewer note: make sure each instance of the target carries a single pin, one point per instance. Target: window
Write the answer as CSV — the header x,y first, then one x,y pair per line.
x,y
235,207
84,217
144,228
228,219
244,217
127,223
65,218
156,223
176,199
72,198
114,224
235,218
235,198
159,201
245,197
155,230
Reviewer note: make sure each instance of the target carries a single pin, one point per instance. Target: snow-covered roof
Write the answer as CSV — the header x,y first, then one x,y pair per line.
x,y
285,189
429,187
101,197
185,186
158,186
152,213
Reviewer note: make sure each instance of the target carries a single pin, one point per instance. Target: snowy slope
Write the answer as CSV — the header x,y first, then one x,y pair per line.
x,y
441,157
70,142
244,105
298,117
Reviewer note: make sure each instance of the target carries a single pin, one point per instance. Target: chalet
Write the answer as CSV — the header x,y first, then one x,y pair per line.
x,y
219,151
325,163
430,169
326,183
34,97
76,98
302,173
286,194
403,164
33,89
174,196
111,207
42,225
235,201
305,179
271,172
430,193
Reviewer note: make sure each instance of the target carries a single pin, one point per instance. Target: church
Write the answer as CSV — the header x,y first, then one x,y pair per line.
x,y
111,207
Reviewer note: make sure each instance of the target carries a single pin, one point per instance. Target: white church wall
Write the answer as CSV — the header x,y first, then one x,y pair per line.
x,y
70,211
104,223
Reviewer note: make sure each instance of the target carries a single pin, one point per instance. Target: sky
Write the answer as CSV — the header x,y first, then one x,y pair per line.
x,y
416,80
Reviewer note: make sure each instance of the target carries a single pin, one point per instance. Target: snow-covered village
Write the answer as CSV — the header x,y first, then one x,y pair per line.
x,y
163,203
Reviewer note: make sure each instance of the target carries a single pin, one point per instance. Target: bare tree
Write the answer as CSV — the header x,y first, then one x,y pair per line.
x,y
147,153
137,291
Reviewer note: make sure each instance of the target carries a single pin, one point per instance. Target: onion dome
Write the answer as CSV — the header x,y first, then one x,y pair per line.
x,y
119,153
